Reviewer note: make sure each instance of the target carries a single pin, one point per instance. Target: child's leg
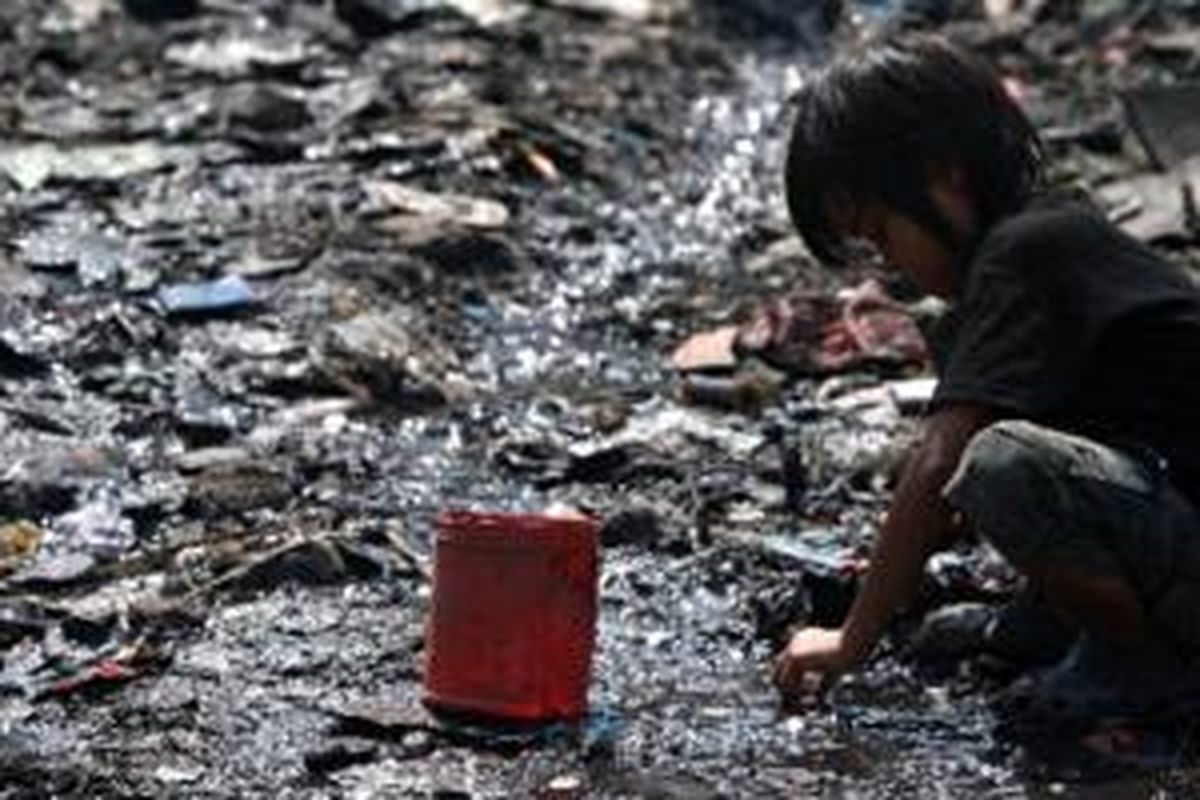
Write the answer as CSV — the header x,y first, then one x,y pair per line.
x,y
1106,604
1103,534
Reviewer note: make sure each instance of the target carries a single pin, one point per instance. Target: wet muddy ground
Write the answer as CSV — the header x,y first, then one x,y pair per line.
x,y
284,279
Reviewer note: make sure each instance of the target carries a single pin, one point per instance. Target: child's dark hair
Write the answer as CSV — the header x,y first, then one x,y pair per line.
x,y
876,126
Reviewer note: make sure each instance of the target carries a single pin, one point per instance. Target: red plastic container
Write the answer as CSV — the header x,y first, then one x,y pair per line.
x,y
513,618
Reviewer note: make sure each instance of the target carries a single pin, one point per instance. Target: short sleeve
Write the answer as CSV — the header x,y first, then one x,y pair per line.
x,y
1011,349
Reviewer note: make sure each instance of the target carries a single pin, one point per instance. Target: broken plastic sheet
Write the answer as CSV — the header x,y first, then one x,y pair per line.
x,y
633,10
658,423
405,208
237,55
30,166
1156,207
1166,120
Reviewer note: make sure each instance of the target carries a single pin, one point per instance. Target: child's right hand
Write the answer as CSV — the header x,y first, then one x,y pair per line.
x,y
811,663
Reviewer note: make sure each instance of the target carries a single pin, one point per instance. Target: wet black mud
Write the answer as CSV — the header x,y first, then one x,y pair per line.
x,y
281,280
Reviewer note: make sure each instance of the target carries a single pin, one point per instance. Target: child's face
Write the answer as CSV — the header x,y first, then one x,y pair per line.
x,y
907,246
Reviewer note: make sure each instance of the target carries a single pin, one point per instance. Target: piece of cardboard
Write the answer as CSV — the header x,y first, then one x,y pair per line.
x,y
708,351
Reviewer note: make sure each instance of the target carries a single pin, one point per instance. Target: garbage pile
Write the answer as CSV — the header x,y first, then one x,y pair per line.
x,y
284,279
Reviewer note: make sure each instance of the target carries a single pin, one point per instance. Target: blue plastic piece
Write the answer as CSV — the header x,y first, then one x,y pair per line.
x,y
228,294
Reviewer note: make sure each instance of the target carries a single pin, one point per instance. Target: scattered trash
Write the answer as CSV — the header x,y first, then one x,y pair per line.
x,y
228,295
339,755
18,542
714,350
53,573
271,120
104,675
633,10
1167,121
212,458
813,559
86,13
234,56
1001,10
490,12
99,526
909,396
1157,207
30,166
175,776
378,719
312,563
385,357
662,428
49,479
564,786
813,334
237,487
747,391
816,334
1099,136
407,207
793,469
16,281
74,244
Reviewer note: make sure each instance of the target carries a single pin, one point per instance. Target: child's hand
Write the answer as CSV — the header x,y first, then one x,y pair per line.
x,y
812,662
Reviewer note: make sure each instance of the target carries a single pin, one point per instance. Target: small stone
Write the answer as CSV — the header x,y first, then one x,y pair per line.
x,y
19,621
99,525
18,540
263,109
563,786
631,526
238,487
239,55
339,755
383,719
177,775
405,205
210,458
154,11
58,572
16,364
465,252
315,562
387,357
372,18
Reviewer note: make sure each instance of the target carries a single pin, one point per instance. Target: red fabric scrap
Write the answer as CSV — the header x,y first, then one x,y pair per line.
x,y
103,673
819,334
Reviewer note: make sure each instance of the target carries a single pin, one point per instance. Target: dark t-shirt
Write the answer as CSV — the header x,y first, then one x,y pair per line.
x,y
1064,320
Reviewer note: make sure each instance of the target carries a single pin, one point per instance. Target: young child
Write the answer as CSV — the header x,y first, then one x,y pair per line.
x,y
1065,428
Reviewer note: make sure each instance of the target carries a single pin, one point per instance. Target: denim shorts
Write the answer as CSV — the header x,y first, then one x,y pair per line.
x,y
1041,496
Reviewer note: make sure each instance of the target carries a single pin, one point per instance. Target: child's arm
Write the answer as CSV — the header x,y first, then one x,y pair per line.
x,y
917,524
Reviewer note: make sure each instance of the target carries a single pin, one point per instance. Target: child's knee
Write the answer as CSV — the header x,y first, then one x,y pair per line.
x,y
1005,487
1000,464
